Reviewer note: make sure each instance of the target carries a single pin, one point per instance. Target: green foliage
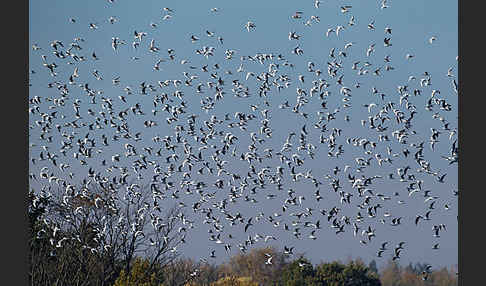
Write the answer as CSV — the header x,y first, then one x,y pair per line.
x,y
138,276
330,273
299,272
354,273
359,274
235,281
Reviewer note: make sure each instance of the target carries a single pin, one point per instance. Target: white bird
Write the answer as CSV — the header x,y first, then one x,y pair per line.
x,y
329,31
348,45
371,25
76,72
152,47
302,264
250,25
351,21
449,72
268,237
112,20
338,29
269,260
345,9
370,106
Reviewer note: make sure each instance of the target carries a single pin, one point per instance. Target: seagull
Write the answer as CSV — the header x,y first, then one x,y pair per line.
x,y
250,25
454,85
269,260
338,29
329,31
440,179
383,246
383,5
152,47
112,20
351,21
268,237
345,9
139,35
76,72
371,25
417,219
449,72
198,143
297,15
288,250
248,224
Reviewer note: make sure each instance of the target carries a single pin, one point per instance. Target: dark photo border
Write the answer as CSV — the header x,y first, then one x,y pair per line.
x,y
15,143
471,195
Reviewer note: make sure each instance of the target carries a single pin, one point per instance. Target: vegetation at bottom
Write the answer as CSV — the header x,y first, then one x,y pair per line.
x,y
74,253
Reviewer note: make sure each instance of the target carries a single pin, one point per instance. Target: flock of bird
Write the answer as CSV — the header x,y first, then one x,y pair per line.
x,y
178,136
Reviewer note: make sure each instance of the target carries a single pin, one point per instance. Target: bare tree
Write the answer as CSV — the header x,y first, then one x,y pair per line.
x,y
98,229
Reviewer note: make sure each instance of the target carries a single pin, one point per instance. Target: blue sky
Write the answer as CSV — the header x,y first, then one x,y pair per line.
x,y
413,23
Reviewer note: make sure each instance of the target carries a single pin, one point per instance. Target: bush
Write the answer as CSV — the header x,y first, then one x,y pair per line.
x,y
138,275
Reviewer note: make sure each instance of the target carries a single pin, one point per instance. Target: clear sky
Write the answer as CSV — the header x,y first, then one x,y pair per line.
x,y
412,22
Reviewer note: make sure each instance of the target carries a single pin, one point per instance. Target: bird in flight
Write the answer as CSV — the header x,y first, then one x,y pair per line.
x,y
241,136
250,25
